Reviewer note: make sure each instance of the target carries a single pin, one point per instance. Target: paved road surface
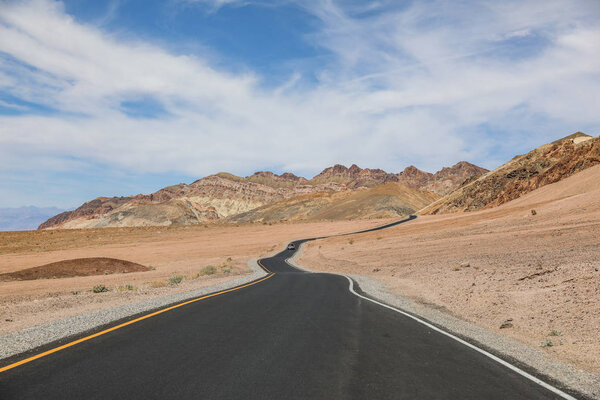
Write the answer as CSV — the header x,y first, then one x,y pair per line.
x,y
295,335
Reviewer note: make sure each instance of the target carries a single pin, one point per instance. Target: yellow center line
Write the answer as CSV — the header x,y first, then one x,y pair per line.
x,y
263,267
133,321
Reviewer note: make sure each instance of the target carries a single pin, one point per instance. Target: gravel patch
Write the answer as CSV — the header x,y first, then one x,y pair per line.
x,y
522,355
27,339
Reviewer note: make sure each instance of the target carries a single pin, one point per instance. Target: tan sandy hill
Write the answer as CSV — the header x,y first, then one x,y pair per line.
x,y
385,201
547,164
222,196
504,263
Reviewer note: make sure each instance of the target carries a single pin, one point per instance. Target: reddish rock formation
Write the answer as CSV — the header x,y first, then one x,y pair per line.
x,y
547,164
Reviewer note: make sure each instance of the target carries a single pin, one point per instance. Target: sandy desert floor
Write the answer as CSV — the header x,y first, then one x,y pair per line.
x,y
170,251
540,273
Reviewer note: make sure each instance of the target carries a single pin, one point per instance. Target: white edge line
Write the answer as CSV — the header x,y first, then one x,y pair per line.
x,y
485,353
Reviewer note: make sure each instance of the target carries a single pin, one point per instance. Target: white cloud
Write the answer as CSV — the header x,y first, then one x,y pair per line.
x,y
404,86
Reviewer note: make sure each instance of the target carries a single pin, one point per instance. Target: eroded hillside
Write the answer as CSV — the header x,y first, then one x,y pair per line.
x,y
524,173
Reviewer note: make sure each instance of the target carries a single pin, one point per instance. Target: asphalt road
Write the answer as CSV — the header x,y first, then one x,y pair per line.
x,y
295,335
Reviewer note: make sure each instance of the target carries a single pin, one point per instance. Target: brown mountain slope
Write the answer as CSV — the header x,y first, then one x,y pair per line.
x,y
210,198
388,200
449,179
547,164
217,197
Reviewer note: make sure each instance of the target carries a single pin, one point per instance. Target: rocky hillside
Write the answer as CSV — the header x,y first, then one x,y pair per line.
x,y
524,173
384,201
442,182
207,199
221,196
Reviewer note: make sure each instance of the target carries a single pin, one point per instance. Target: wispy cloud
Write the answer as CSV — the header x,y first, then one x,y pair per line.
x,y
428,83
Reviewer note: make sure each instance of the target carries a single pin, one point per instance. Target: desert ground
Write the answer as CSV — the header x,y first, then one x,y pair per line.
x,y
538,275
168,251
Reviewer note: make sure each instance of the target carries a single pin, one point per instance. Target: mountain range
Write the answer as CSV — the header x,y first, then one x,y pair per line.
x,y
338,192
229,198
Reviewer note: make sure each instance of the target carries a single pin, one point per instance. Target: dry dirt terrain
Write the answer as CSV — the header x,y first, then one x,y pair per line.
x,y
168,251
538,275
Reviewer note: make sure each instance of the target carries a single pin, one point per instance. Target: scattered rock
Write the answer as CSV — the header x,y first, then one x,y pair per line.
x,y
533,212
376,270
507,324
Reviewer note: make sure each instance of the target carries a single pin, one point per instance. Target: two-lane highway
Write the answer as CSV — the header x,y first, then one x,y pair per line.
x,y
295,335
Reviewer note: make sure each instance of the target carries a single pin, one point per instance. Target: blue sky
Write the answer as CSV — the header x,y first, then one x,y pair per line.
x,y
122,97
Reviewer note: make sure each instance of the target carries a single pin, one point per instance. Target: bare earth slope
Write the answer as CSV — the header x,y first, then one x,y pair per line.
x,y
538,272
384,201
547,164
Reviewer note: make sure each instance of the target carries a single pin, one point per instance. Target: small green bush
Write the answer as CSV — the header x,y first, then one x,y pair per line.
x,y
554,332
226,270
175,279
208,270
99,289
547,343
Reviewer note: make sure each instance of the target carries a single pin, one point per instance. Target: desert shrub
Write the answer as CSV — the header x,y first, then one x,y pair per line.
x,y
547,343
351,241
554,332
126,288
229,259
175,279
100,289
533,212
158,284
226,270
456,268
208,270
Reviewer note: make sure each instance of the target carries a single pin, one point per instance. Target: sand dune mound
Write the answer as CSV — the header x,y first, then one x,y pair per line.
x,y
75,267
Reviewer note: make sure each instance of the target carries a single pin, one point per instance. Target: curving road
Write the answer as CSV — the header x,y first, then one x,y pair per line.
x,y
295,335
